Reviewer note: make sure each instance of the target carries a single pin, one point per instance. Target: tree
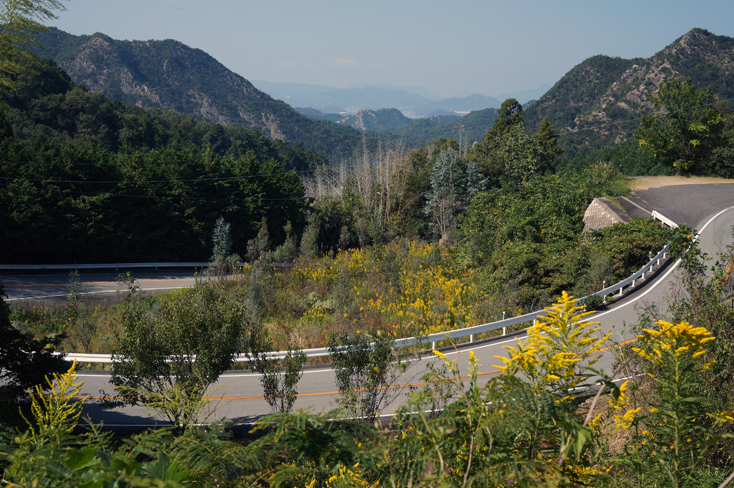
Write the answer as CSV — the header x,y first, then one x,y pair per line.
x,y
222,261
507,153
279,381
172,349
548,150
510,114
366,367
683,127
20,23
257,248
24,360
453,184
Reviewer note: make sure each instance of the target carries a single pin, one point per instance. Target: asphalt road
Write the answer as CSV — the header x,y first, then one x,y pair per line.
x,y
97,286
238,395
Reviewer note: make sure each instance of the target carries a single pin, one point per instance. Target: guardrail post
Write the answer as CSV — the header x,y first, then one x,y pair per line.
x,y
633,283
620,290
471,338
433,344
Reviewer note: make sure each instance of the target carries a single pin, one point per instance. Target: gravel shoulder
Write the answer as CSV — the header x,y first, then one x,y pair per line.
x,y
648,182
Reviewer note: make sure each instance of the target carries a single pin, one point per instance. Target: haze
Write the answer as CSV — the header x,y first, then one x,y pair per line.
x,y
449,48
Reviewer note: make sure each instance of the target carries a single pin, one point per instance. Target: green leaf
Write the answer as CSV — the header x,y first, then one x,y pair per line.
x,y
79,459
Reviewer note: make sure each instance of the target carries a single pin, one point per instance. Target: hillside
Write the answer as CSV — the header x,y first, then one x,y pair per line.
x,y
87,179
384,119
599,101
465,130
172,76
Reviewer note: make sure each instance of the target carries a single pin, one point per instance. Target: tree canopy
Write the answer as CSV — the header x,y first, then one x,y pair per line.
x,y
684,126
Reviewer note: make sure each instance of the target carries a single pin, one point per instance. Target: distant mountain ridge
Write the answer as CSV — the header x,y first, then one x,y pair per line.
x,y
366,97
599,102
172,76
466,129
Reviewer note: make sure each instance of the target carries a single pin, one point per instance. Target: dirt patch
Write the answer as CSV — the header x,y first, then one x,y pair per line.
x,y
647,182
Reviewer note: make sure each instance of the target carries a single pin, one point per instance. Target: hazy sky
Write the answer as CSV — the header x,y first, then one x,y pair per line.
x,y
452,48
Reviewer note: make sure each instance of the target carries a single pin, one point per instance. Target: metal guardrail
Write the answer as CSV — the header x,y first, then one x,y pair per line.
x,y
457,333
662,218
117,266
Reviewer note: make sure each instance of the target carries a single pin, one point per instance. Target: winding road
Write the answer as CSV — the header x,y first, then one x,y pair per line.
x,y
238,394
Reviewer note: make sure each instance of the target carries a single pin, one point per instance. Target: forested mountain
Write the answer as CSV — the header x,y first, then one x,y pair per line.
x,y
87,179
172,76
465,130
599,101
383,119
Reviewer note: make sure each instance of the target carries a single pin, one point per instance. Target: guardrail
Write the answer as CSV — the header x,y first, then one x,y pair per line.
x,y
619,287
662,218
117,266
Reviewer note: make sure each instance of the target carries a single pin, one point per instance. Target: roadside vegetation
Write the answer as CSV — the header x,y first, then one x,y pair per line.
x,y
393,242
662,418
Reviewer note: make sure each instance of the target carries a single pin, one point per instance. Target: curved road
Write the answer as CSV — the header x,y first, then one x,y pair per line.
x,y
708,208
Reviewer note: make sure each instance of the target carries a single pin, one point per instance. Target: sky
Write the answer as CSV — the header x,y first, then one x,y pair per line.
x,y
454,49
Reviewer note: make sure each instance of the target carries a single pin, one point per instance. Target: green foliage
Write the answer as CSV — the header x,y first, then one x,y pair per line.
x,y
177,347
279,382
258,247
20,23
627,245
79,166
508,154
366,368
683,128
50,455
528,239
703,300
453,184
182,78
628,157
301,447
520,428
25,360
467,129
222,261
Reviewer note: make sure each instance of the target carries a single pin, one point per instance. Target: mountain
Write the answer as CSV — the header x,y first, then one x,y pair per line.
x,y
463,104
172,76
598,103
336,100
312,113
384,119
466,129
415,132
371,97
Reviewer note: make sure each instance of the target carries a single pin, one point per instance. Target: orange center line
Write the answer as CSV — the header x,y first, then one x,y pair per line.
x,y
211,399
422,383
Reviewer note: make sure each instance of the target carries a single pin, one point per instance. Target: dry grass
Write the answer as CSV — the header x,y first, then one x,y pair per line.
x,y
645,183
